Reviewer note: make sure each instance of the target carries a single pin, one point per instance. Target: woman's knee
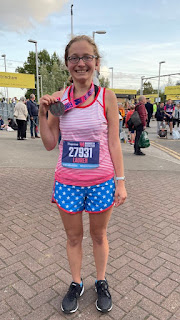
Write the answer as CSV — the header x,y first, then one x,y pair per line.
x,y
74,239
98,237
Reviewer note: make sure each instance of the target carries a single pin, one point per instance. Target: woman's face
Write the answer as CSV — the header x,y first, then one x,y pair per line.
x,y
81,71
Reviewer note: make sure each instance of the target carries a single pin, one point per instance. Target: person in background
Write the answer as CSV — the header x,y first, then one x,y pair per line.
x,y
160,116
90,155
126,109
12,124
149,108
122,112
33,114
169,110
120,109
20,112
2,125
131,130
177,115
154,110
140,108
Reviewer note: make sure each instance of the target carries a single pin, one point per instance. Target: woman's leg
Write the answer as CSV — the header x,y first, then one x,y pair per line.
x,y
18,131
132,137
158,126
74,230
171,126
21,129
98,231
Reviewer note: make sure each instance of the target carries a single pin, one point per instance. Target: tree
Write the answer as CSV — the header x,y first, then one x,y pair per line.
x,y
178,83
104,82
169,83
147,89
51,68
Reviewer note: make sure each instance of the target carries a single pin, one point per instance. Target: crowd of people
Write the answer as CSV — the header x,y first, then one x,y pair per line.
x,y
24,110
9,100
166,114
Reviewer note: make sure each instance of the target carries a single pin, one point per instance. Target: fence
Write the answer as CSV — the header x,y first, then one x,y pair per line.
x,y
6,110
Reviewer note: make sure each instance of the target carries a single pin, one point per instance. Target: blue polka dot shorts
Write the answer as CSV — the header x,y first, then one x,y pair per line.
x,y
93,199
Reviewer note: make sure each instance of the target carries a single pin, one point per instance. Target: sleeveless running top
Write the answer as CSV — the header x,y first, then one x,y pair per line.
x,y
85,124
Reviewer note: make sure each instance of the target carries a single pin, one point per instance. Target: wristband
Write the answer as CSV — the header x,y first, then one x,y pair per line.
x,y
120,178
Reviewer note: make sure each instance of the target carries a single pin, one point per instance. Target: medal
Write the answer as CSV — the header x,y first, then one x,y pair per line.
x,y
57,109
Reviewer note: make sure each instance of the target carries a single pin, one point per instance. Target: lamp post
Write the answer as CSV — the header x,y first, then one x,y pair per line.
x,y
99,32
71,21
159,77
141,90
4,56
111,76
96,73
37,78
40,77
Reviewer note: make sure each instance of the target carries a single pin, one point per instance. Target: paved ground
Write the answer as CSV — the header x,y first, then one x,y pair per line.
x,y
144,238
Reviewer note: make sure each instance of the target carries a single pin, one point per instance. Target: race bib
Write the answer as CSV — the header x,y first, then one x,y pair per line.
x,y
80,155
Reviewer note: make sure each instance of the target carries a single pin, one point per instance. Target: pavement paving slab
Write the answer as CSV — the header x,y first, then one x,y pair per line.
x,y
144,237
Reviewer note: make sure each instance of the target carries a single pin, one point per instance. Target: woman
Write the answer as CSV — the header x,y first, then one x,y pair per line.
x,y
20,112
131,129
160,116
169,110
121,110
90,152
177,115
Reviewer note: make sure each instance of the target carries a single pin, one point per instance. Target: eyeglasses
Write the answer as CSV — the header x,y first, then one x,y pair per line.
x,y
86,58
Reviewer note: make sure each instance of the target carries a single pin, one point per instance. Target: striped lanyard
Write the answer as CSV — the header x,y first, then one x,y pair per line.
x,y
76,102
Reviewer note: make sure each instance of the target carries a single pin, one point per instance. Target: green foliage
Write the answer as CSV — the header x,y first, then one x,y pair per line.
x,y
104,82
162,96
51,68
148,88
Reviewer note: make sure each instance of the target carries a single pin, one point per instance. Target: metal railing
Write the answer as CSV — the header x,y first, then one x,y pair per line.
x,y
6,110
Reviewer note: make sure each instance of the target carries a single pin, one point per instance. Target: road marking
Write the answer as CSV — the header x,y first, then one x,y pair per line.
x,y
167,150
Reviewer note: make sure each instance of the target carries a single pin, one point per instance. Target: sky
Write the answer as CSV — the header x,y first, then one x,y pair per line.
x,y
139,34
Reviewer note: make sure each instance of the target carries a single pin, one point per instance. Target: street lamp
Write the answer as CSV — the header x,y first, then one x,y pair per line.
x,y
40,77
37,78
141,90
99,32
112,76
71,21
159,77
96,72
4,56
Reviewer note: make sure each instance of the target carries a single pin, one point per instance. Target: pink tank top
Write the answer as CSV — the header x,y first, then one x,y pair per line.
x,y
85,124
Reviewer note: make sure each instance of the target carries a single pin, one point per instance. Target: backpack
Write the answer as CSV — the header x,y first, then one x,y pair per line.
x,y
134,120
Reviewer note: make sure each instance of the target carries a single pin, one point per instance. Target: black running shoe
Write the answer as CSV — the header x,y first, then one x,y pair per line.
x,y
140,153
104,301
69,303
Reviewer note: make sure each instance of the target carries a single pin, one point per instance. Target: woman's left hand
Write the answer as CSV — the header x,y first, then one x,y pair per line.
x,y
120,195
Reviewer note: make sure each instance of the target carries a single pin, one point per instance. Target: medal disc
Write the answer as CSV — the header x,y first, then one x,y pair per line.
x,y
57,108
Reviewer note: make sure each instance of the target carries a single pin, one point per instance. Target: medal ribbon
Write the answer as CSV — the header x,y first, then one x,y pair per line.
x,y
76,102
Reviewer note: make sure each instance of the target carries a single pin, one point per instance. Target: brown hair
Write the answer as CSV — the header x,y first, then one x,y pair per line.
x,y
80,38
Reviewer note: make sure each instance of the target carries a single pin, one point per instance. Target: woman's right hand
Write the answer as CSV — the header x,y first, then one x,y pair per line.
x,y
45,102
